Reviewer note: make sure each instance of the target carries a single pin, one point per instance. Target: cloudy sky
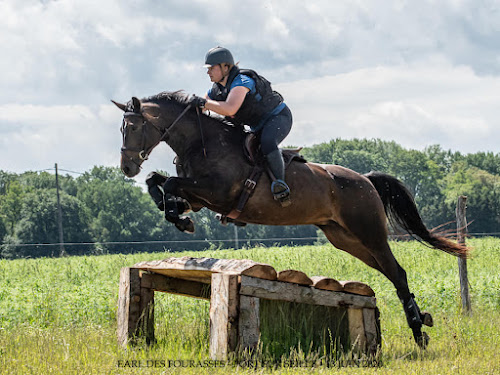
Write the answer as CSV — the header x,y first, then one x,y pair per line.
x,y
416,72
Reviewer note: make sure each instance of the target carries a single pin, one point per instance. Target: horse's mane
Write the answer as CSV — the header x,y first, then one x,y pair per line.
x,y
182,98
178,96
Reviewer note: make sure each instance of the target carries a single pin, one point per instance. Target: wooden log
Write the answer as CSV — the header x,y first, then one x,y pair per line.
x,y
372,330
173,285
277,290
201,269
135,309
224,306
147,318
326,283
357,329
249,323
294,276
357,287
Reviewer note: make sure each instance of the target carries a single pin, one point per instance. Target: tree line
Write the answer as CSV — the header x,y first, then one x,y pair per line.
x,y
102,206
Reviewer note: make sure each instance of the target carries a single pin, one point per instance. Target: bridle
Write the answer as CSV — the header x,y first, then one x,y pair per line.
x,y
143,152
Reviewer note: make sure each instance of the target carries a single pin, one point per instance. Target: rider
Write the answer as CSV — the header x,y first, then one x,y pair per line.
x,y
247,99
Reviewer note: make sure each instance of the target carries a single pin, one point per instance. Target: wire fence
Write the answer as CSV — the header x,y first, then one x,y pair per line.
x,y
212,241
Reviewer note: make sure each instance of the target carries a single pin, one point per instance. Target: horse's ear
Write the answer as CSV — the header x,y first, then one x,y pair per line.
x,y
119,105
136,103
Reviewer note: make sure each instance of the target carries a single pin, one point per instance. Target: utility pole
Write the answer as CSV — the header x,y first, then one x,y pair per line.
x,y
62,252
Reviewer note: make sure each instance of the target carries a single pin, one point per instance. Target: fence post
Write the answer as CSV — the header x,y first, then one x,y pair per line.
x,y
462,263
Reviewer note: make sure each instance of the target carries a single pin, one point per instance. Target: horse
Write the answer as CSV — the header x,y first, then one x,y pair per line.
x,y
352,210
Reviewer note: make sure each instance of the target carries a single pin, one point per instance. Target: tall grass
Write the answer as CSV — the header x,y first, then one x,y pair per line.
x,y
59,315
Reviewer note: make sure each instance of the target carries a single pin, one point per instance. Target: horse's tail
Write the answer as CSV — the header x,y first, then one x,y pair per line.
x,y
401,211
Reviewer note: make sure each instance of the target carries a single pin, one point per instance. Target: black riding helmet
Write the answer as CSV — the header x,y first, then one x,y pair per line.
x,y
218,55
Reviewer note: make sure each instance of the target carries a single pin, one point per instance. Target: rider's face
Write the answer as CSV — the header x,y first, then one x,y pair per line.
x,y
216,73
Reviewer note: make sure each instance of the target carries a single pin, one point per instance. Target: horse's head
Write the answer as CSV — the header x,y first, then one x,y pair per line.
x,y
140,133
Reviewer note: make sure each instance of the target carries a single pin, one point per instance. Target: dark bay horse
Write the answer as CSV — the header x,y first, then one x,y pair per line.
x,y
351,209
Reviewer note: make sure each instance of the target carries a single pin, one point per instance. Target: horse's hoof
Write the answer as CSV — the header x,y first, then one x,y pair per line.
x,y
223,219
423,340
427,319
185,224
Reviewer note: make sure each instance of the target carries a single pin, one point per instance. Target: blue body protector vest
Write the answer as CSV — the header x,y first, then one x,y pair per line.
x,y
257,105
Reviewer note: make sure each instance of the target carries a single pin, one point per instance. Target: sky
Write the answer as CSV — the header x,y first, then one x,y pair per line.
x,y
416,72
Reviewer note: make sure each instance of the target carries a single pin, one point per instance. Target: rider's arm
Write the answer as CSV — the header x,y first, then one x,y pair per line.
x,y
231,105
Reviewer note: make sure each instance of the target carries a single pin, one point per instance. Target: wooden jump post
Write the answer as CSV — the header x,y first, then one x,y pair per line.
x,y
236,290
462,263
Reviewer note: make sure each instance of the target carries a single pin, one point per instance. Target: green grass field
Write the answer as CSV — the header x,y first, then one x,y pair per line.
x,y
58,316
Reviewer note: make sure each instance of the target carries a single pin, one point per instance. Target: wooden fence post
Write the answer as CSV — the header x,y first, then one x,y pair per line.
x,y
224,307
462,263
135,309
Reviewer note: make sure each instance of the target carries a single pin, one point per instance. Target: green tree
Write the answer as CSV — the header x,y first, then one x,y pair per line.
x,y
3,230
10,204
120,211
39,225
483,196
486,161
5,179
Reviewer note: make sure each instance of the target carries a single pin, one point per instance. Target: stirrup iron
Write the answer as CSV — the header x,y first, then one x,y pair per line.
x,y
281,192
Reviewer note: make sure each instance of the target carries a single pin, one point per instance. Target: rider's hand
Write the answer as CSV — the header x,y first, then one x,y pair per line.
x,y
198,101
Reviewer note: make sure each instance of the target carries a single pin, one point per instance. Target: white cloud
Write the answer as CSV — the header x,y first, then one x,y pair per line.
x,y
415,105
415,72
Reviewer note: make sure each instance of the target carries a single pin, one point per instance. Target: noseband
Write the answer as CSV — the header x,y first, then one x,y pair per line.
x,y
143,152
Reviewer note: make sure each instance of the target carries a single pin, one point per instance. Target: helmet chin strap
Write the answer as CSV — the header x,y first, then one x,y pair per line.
x,y
224,76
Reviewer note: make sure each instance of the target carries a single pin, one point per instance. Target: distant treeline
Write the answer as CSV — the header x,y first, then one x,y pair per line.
x,y
102,206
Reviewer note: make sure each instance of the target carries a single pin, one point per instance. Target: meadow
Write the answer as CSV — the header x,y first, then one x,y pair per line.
x,y
58,316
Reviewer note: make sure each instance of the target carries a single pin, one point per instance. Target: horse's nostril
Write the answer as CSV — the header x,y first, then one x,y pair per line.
x,y
125,170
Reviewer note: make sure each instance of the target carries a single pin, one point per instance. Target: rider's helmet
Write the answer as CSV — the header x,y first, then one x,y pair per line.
x,y
218,55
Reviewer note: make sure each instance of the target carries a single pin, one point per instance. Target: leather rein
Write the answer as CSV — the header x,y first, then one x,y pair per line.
x,y
143,152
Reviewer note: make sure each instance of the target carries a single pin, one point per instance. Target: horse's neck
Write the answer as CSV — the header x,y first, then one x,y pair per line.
x,y
183,133
214,141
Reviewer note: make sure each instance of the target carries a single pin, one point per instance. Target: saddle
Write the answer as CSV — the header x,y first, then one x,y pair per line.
x,y
255,157
254,154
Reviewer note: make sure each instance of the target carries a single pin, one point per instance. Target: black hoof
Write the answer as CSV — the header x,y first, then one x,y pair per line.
x,y
422,340
185,224
427,319
223,219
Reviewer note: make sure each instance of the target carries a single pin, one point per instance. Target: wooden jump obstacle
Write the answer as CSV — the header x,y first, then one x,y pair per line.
x,y
237,289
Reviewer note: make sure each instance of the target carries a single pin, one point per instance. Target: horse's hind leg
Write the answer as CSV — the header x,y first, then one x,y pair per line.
x,y
377,254
394,272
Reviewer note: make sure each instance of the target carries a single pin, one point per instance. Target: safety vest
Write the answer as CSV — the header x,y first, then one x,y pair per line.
x,y
256,106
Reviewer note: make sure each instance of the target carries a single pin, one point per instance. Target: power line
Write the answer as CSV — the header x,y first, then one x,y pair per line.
x,y
65,170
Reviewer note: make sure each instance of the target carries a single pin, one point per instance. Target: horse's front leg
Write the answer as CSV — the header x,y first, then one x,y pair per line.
x,y
174,207
171,205
154,180
204,191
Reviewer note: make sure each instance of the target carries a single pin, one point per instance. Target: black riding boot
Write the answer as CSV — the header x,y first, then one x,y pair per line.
x,y
279,188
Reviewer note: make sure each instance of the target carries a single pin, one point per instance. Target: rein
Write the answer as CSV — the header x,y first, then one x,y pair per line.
x,y
143,153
